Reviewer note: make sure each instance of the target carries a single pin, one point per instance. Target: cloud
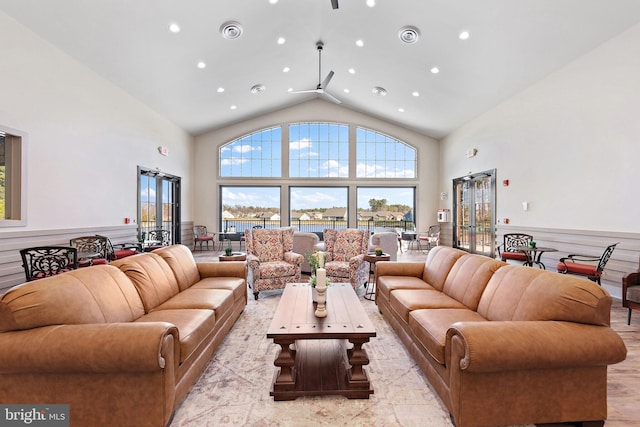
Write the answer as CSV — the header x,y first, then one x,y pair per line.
x,y
302,144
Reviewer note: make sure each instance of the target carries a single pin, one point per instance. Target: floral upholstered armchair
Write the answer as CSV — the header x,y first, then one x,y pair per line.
x,y
272,262
345,251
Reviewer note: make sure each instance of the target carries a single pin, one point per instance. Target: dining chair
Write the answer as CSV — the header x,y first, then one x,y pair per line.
x,y
586,265
44,261
631,293
157,238
200,235
430,239
508,249
92,250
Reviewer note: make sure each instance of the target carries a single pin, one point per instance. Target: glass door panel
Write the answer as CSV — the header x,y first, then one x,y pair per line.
x,y
474,215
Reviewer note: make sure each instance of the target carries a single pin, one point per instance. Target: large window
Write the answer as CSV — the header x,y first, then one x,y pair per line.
x,y
248,207
315,208
386,207
322,166
255,155
12,173
159,203
318,150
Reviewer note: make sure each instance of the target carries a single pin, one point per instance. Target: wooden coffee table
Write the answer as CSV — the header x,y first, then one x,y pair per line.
x,y
320,356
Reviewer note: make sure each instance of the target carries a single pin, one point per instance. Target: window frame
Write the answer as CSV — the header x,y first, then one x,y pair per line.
x,y
15,178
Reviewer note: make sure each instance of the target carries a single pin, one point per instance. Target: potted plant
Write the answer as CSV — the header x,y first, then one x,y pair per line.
x,y
378,251
228,251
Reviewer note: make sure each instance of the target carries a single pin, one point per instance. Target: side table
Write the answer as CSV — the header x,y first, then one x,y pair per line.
x,y
372,258
235,256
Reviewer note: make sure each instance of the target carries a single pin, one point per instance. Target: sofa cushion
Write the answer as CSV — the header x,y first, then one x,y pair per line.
x,y
468,278
236,285
403,301
517,293
218,300
182,263
152,277
194,326
430,326
439,262
100,294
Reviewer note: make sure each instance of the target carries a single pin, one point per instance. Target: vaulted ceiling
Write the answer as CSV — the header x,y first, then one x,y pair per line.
x,y
201,80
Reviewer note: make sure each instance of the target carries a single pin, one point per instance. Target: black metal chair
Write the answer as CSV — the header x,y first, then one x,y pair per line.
x,y
44,261
92,250
158,238
509,246
631,293
586,265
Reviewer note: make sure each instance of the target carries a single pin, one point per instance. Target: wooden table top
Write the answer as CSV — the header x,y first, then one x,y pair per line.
x,y
295,318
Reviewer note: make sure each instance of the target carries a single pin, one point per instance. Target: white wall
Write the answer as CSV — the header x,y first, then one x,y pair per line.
x,y
206,151
86,137
569,145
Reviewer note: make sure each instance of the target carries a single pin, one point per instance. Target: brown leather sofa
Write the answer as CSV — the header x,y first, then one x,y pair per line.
x,y
503,344
123,343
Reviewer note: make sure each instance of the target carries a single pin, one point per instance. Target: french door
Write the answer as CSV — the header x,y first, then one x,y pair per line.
x,y
158,203
474,213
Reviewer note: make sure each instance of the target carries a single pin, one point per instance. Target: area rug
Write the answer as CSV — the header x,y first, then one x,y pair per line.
x,y
234,389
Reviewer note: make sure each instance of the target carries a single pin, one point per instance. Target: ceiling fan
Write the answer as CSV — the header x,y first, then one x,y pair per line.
x,y
322,85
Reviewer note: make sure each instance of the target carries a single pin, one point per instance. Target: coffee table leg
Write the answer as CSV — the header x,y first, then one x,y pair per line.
x,y
357,377
285,360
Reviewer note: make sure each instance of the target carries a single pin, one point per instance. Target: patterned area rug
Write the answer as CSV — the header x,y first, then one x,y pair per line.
x,y
234,389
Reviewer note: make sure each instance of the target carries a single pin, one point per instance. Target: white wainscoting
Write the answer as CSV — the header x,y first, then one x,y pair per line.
x,y
11,271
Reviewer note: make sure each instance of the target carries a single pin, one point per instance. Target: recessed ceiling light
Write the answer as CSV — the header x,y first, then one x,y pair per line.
x,y
233,107
220,90
401,110
286,69
290,89
409,34
346,90
174,28
435,70
352,71
416,93
202,65
464,35
282,40
257,89
359,43
273,1
371,3
380,91
231,30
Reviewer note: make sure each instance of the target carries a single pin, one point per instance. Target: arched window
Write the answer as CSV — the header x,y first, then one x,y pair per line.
x,y
380,156
256,155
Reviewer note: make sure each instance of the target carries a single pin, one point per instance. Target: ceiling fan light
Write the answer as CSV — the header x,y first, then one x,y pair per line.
x,y
380,91
409,34
231,30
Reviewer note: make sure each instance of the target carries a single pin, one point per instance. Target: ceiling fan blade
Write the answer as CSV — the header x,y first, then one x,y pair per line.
x,y
334,4
331,97
305,91
326,81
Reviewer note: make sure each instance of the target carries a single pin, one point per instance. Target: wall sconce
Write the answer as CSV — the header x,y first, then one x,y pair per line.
x,y
471,152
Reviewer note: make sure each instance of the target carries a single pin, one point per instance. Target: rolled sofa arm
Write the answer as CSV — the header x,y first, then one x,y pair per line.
x,y
394,268
91,348
515,345
223,269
